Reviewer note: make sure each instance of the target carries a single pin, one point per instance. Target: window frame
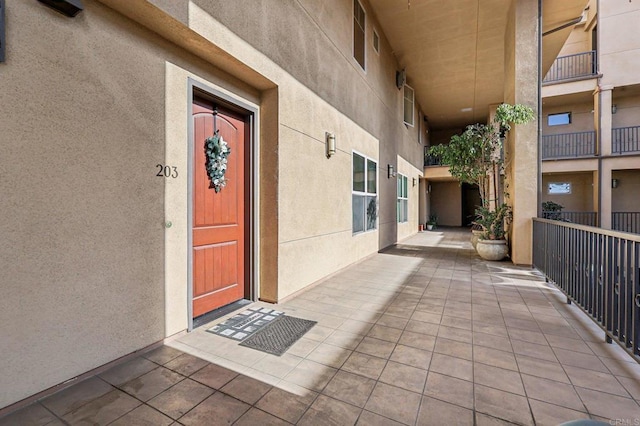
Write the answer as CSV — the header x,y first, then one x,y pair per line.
x,y
364,35
366,192
402,197
557,114
413,105
375,37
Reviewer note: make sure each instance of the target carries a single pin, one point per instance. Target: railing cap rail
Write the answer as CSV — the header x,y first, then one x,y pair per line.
x,y
586,52
592,229
592,132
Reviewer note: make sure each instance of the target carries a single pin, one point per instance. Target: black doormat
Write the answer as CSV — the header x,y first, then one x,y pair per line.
x,y
246,323
279,335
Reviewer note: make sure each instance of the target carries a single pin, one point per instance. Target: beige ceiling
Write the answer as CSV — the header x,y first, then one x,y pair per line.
x,y
453,51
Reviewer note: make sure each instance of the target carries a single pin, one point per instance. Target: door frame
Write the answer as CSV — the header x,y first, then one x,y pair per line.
x,y
252,189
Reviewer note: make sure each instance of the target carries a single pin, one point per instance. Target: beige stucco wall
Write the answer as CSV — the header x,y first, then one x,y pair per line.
x,y
314,193
624,198
581,197
445,201
581,118
619,42
83,127
410,227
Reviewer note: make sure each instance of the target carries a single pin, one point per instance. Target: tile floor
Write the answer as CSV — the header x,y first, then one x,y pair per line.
x,y
424,333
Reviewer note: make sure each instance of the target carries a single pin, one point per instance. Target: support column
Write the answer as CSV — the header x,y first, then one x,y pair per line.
x,y
605,195
602,118
522,86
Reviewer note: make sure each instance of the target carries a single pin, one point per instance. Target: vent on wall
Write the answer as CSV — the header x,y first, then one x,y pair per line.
x,y
401,78
67,7
3,40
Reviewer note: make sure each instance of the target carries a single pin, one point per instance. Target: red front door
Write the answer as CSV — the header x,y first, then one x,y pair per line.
x,y
218,218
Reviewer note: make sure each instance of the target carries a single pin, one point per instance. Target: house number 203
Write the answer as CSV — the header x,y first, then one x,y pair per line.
x,y
167,171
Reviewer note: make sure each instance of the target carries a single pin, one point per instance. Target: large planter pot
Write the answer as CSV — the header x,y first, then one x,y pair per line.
x,y
475,236
492,249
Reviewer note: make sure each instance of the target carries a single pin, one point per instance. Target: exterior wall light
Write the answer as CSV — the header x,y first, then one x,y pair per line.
x,y
330,144
415,181
390,172
3,40
69,8
614,108
615,183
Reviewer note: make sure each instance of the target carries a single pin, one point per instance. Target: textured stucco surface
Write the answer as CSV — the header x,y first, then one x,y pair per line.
x,y
83,253
521,147
314,193
410,227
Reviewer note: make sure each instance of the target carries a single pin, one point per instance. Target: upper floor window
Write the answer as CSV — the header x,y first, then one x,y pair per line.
x,y
358,32
403,199
408,105
364,194
559,119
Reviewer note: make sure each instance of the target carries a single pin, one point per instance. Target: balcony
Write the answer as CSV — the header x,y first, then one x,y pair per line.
x,y
569,145
626,222
431,160
625,140
572,67
580,218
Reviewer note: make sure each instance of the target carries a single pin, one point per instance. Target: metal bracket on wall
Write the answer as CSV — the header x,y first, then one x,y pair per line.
x,y
3,38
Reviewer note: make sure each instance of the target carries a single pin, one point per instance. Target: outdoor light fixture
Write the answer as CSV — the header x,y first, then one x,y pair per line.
x,y
614,108
2,32
69,8
390,172
330,144
415,181
615,183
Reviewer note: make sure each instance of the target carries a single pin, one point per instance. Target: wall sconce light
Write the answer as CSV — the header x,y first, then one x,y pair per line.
x,y
614,108
390,172
615,183
69,8
429,189
415,181
330,144
2,32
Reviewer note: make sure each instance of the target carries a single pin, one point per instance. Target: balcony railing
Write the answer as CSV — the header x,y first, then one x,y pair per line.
x,y
581,218
572,66
626,222
597,269
431,160
569,145
625,139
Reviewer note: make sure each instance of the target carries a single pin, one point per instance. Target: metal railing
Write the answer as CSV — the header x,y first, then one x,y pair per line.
x,y
581,218
581,144
431,160
573,66
597,269
625,139
626,222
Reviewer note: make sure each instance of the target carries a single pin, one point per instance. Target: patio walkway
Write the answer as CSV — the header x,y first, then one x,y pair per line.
x,y
424,333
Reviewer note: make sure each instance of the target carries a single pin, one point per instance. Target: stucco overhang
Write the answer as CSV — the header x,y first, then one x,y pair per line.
x,y
453,51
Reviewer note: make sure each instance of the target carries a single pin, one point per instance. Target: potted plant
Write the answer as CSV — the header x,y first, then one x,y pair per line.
x,y
432,222
492,244
551,210
475,157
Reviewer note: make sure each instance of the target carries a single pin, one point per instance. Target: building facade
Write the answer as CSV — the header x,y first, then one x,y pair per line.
x,y
115,234
591,120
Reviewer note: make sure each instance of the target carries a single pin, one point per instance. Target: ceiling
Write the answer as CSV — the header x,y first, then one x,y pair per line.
x,y
453,51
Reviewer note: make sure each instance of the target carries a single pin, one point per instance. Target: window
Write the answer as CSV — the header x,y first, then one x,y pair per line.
x,y
559,119
403,199
408,105
559,188
376,41
358,32
364,190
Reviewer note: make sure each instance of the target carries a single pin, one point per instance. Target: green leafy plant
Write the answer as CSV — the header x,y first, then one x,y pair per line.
x,y
475,157
551,210
493,222
433,220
